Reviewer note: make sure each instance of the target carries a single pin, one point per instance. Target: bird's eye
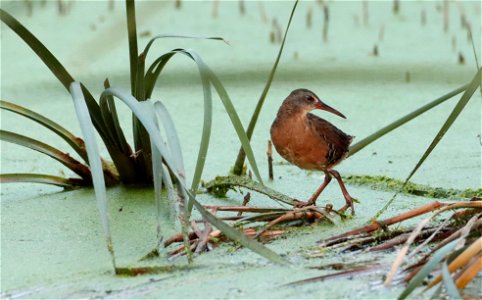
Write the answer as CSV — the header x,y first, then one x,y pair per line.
x,y
310,98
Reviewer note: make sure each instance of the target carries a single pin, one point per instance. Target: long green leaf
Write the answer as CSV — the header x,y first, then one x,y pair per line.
x,y
208,76
474,84
143,114
469,91
236,122
111,119
383,131
238,165
157,177
418,279
161,36
54,65
75,142
132,36
154,71
449,283
87,129
65,159
141,137
172,137
153,74
42,178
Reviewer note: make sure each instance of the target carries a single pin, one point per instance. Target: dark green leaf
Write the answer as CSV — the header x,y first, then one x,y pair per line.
x,y
65,159
238,165
75,142
43,178
383,131
132,35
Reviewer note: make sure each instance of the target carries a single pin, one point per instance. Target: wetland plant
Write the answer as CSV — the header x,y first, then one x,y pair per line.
x,y
156,157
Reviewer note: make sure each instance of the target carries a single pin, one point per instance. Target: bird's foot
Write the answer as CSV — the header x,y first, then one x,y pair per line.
x,y
301,204
349,204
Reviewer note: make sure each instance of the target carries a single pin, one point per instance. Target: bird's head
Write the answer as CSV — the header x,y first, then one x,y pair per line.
x,y
307,101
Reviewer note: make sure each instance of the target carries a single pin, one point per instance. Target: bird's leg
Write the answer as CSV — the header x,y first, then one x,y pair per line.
x,y
317,193
348,198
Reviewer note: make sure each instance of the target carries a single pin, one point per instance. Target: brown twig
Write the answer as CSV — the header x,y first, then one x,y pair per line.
x,y
245,202
363,269
291,216
380,224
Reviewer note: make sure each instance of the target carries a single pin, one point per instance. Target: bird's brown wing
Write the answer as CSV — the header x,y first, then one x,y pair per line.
x,y
337,141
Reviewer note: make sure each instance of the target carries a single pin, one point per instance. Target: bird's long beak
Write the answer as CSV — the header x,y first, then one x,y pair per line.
x,y
323,106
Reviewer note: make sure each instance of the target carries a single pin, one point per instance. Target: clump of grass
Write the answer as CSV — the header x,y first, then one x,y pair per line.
x,y
153,159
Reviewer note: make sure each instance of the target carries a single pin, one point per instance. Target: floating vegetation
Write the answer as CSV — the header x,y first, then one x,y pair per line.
x,y
385,183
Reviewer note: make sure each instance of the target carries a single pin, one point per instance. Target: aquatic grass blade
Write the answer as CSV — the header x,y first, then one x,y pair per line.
x,y
449,283
132,37
154,70
111,119
418,279
153,74
238,126
383,131
65,159
42,178
161,36
238,165
75,142
208,76
143,115
95,163
472,87
171,135
469,91
157,176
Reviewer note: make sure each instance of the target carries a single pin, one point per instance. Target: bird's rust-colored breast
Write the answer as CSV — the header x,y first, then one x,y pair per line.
x,y
309,142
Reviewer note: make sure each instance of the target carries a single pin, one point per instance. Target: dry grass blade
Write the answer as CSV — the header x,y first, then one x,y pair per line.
x,y
363,269
401,255
461,260
380,224
427,240
470,272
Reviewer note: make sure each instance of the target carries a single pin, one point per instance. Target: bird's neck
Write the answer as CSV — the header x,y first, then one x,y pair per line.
x,y
288,112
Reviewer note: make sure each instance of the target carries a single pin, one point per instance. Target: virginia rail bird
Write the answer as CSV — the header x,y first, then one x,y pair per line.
x,y
310,142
